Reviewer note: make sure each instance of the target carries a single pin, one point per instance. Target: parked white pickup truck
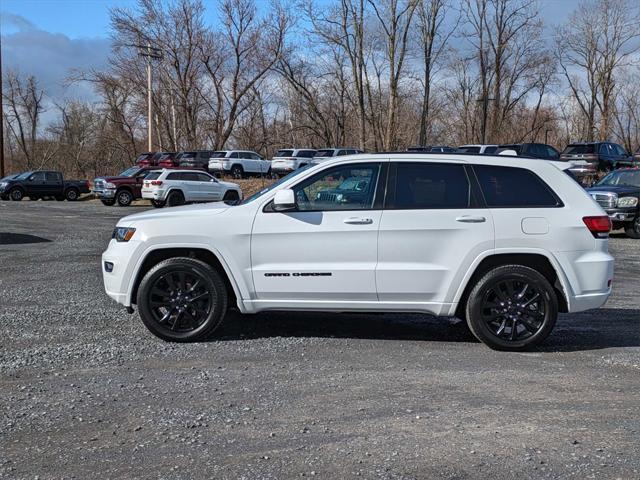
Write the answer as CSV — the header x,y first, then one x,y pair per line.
x,y
176,187
238,163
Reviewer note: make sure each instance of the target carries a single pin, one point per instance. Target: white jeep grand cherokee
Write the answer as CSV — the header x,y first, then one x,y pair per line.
x,y
504,243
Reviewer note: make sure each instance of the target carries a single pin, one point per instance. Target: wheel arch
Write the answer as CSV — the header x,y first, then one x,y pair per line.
x,y
155,256
535,260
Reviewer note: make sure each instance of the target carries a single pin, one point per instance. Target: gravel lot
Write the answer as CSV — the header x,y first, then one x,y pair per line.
x,y
86,392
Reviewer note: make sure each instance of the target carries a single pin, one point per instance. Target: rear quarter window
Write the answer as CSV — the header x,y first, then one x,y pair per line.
x,y
512,187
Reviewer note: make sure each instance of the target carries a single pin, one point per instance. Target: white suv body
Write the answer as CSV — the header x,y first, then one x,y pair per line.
x,y
238,163
392,232
287,160
192,186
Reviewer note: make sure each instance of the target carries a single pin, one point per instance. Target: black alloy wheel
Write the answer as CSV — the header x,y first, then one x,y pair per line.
x,y
175,199
124,198
72,195
16,194
237,171
182,299
512,307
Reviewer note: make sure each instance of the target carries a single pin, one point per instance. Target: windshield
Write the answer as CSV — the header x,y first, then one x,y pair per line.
x,y
284,153
324,153
218,154
274,185
575,149
129,172
620,177
24,176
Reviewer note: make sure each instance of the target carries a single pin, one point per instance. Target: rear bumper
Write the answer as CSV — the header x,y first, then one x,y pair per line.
x,y
153,194
621,214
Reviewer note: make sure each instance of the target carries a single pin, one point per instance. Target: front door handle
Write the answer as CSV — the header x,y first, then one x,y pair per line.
x,y
470,219
358,221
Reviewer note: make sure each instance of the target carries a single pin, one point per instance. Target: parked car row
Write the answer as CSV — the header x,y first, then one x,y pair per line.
x,y
240,163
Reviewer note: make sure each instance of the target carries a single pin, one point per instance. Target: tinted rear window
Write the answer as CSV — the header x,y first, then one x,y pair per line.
x,y
579,149
469,149
430,186
306,153
514,187
324,153
284,153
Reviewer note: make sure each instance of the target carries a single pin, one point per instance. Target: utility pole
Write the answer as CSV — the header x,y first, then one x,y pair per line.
x,y
2,172
149,52
485,109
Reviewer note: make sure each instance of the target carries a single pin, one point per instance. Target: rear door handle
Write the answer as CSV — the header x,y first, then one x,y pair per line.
x,y
470,219
358,221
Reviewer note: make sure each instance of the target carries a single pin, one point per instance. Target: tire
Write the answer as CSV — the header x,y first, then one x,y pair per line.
x,y
158,203
171,282
237,171
124,198
16,194
633,229
72,194
109,203
493,309
231,196
175,199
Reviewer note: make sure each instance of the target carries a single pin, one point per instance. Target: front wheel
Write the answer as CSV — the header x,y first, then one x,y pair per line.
x,y
231,196
633,229
512,307
16,194
182,300
124,198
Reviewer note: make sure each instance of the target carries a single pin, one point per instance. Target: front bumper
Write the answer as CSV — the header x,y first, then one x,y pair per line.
x,y
106,193
621,214
122,256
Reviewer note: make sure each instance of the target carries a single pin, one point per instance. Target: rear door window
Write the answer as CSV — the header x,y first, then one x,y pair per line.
x,y
53,177
189,177
171,176
512,187
429,186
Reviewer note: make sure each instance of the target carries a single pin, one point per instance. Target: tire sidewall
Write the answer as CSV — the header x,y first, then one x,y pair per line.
x,y
124,198
175,199
16,192
482,331
213,281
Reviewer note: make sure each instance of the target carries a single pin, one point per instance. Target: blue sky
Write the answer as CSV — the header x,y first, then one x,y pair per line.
x,y
48,38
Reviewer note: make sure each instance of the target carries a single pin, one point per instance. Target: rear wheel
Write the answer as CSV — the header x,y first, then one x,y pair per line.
x,y
72,194
237,171
158,203
175,198
124,198
182,300
109,203
633,229
512,307
16,194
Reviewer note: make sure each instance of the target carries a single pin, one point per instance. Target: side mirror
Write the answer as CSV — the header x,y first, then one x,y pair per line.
x,y
284,201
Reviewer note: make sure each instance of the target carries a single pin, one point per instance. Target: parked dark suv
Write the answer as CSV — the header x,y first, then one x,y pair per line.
x,y
536,150
199,158
600,156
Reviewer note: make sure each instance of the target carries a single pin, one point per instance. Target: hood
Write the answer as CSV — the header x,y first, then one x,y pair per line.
x,y
196,210
114,179
229,184
619,189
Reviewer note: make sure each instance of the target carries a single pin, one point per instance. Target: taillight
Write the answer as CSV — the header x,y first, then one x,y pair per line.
x,y
599,226
159,182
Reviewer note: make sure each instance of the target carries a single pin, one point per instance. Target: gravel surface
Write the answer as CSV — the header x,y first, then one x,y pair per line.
x,y
86,391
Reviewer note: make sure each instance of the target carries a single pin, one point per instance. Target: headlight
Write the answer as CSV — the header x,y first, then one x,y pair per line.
x,y
109,185
627,202
123,234
3,184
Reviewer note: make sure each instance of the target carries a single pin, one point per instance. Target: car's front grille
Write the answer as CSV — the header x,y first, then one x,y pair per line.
x,y
606,199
